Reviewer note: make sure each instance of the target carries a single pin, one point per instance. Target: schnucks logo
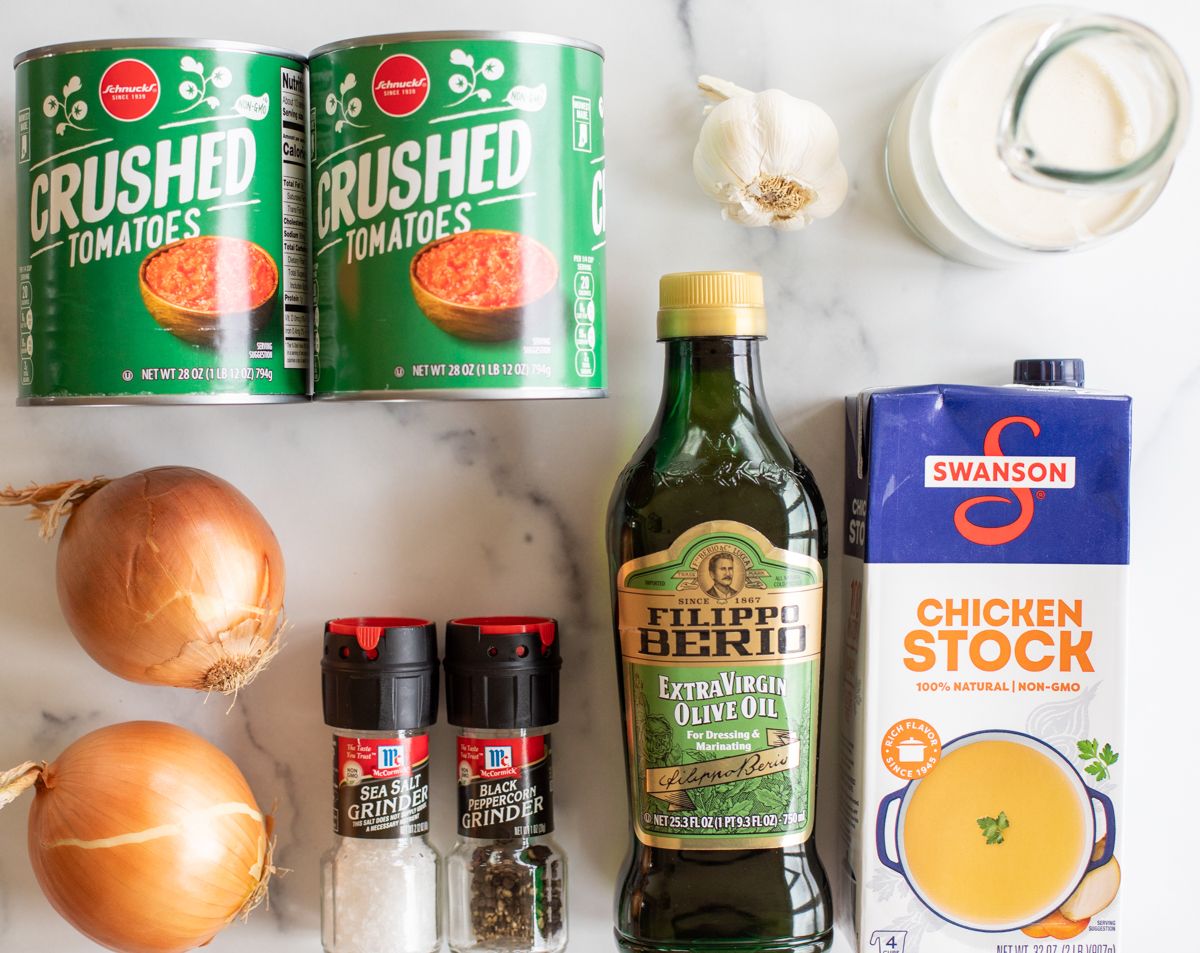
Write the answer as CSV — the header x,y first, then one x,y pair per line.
x,y
400,85
1026,478
129,90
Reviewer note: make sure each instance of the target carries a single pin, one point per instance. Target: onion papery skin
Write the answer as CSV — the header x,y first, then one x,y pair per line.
x,y
204,843
171,576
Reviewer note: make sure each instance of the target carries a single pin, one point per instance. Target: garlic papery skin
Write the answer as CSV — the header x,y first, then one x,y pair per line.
x,y
768,158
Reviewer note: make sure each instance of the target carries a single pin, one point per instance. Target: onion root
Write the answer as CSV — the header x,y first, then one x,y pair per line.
x,y
261,892
231,673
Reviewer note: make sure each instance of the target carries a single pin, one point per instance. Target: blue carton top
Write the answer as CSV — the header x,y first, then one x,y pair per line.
x,y
965,474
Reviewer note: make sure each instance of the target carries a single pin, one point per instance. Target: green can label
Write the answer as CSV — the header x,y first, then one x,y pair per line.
x,y
458,219
721,648
162,243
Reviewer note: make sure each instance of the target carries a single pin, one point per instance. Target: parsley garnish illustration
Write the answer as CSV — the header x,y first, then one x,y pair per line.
x,y
994,827
1101,759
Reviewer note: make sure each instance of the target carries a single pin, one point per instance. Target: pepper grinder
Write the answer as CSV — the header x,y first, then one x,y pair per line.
x,y
506,876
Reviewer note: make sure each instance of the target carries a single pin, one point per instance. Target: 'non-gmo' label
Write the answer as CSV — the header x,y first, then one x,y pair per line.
x,y
381,786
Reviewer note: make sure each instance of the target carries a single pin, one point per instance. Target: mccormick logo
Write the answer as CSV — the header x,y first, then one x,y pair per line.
x,y
129,90
1024,477
400,85
497,757
391,756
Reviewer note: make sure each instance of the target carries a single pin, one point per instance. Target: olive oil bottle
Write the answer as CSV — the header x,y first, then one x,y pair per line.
x,y
717,544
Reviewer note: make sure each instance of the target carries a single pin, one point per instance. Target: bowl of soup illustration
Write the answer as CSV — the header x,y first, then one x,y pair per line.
x,y
998,834
204,288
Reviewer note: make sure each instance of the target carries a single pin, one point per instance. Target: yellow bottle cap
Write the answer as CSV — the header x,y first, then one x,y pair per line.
x,y
693,304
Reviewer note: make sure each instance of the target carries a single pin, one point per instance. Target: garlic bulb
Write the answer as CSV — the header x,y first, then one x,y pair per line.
x,y
768,158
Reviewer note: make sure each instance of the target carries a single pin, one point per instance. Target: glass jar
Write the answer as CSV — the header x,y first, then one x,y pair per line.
x,y
508,892
379,894
1046,130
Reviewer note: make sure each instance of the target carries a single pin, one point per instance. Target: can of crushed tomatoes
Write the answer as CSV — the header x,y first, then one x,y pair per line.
x,y
458,216
162,223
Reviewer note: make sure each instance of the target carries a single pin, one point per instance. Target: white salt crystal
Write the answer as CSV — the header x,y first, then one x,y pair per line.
x,y
381,896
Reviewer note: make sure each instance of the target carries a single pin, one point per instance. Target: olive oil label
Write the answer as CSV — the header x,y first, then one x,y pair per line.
x,y
504,787
721,648
381,787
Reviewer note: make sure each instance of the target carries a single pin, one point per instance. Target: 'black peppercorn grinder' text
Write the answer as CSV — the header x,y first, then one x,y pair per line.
x,y
717,545
507,877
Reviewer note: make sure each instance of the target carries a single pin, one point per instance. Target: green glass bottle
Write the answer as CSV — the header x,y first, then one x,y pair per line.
x,y
717,544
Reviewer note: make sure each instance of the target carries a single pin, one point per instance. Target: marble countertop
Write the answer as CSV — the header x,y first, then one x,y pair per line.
x,y
507,499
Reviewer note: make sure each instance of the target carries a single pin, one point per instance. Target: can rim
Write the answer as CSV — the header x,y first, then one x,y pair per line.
x,y
520,36
465,393
153,43
123,400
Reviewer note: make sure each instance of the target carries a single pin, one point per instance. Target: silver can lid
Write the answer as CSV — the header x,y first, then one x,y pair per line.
x,y
153,43
512,36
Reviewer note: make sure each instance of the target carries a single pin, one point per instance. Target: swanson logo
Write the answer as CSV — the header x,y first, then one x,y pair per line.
x,y
1023,477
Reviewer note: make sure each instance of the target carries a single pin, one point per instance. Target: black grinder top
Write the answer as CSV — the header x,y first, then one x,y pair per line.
x,y
380,674
502,672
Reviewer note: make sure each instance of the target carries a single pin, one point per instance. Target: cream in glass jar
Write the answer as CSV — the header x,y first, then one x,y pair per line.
x,y
1048,129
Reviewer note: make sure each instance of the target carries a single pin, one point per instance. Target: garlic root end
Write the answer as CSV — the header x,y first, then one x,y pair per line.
x,y
783,197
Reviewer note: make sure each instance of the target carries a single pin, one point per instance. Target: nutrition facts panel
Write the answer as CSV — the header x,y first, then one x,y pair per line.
x,y
295,219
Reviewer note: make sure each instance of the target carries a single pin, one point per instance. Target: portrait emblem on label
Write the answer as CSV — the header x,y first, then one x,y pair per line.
x,y
722,570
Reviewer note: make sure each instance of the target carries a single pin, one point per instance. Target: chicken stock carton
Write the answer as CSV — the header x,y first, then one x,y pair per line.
x,y
987,555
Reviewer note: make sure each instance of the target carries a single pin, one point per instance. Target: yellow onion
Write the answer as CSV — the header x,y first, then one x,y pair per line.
x,y
167,576
145,837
